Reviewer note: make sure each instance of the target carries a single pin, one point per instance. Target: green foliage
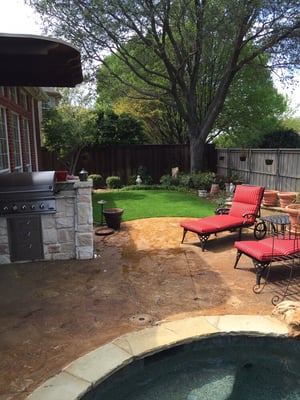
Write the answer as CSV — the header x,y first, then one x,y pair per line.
x,y
291,122
67,130
134,186
204,180
168,180
252,108
183,53
281,138
201,180
113,182
142,171
97,180
141,203
118,129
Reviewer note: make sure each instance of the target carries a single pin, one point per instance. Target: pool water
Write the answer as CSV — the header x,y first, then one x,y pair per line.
x,y
215,368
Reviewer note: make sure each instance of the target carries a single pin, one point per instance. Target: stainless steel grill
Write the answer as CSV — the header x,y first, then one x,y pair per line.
x,y
27,193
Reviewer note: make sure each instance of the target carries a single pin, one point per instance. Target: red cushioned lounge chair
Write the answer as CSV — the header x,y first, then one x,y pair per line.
x,y
243,212
283,248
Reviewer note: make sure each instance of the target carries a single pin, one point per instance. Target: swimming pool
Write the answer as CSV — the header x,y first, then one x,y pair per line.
x,y
218,367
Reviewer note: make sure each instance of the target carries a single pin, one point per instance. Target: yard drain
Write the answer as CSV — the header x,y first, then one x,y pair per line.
x,y
141,319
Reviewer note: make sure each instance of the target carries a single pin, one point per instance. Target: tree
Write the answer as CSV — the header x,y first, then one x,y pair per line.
x,y
118,129
67,130
281,138
199,45
252,108
292,123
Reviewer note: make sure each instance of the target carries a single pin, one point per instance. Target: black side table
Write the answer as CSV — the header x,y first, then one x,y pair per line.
x,y
271,224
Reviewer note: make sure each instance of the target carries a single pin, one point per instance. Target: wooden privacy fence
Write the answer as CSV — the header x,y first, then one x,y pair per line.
x,y
277,169
281,173
124,161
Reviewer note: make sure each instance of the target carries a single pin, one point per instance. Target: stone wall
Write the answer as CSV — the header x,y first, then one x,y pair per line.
x,y
67,234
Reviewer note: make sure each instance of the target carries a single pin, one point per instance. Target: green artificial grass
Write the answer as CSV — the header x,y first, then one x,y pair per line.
x,y
152,203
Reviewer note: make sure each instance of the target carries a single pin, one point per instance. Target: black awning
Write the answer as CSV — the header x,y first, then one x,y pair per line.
x,y
29,60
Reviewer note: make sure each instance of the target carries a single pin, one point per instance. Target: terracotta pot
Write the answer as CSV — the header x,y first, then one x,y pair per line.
x,y
294,215
214,188
270,198
286,198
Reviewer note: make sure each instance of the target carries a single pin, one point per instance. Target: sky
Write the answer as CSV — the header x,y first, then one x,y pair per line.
x,y
16,17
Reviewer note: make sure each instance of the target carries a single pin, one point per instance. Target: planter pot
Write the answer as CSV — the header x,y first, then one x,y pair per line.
x,y
214,188
202,193
286,198
294,215
270,198
113,217
268,161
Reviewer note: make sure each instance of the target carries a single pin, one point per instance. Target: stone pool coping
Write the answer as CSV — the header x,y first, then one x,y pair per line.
x,y
73,381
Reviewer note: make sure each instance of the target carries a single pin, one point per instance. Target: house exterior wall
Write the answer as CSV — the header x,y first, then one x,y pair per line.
x,y
20,127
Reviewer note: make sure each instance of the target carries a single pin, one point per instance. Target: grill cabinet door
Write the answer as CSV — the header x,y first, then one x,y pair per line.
x,y
25,238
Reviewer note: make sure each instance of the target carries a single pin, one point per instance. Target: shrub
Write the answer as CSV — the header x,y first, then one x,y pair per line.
x,y
143,173
97,180
203,180
185,180
113,182
167,180
182,180
132,180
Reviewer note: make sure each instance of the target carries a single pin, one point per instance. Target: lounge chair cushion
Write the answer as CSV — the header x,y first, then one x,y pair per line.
x,y
270,248
213,224
246,201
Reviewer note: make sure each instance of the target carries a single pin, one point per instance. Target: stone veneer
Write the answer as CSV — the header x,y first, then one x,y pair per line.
x,y
67,234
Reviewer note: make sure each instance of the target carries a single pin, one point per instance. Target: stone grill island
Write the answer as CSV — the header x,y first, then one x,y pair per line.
x,y
66,234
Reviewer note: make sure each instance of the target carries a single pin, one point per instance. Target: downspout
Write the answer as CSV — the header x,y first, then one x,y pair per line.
x,y
34,134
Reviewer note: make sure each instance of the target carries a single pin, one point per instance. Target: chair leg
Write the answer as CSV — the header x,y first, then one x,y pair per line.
x,y
238,256
184,233
240,234
260,267
203,239
276,299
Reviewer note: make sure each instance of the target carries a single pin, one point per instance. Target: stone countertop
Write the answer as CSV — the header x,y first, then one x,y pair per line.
x,y
73,184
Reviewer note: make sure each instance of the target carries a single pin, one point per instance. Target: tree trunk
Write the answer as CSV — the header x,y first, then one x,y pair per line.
x,y
197,147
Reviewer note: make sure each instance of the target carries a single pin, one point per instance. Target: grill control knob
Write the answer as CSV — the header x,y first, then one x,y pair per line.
x,y
32,207
23,207
14,207
42,206
5,208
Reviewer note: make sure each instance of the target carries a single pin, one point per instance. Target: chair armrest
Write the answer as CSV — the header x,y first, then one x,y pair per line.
x,y
222,210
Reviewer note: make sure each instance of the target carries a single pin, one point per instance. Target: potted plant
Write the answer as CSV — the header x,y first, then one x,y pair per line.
x,y
286,198
270,198
113,217
268,161
243,156
293,210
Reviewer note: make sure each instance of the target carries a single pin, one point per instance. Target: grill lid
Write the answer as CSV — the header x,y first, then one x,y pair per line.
x,y
27,184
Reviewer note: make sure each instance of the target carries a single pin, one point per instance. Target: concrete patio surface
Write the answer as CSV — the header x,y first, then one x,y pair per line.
x,y
52,313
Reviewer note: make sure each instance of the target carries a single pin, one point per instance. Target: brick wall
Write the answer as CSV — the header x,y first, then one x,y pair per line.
x,y
32,115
